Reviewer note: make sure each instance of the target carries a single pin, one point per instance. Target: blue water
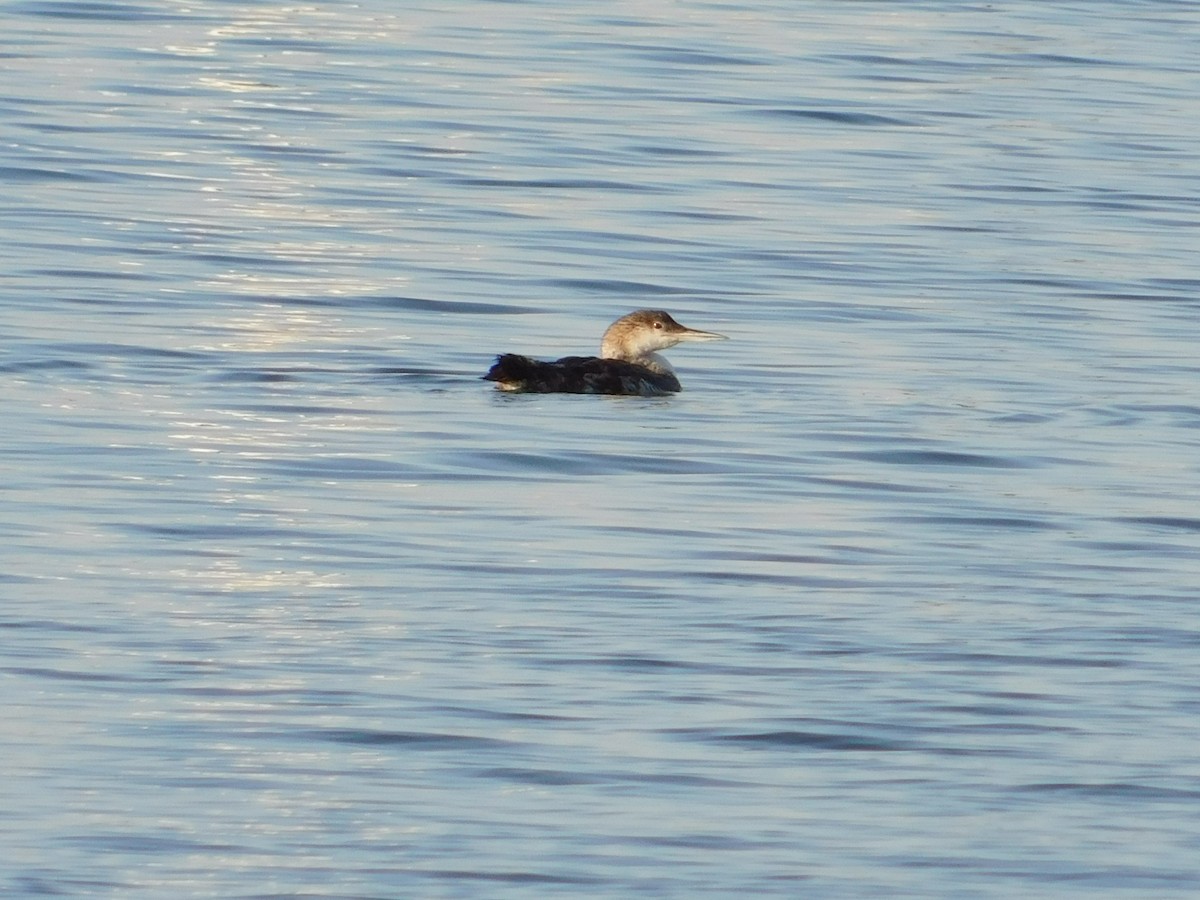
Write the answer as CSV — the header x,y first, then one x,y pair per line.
x,y
897,599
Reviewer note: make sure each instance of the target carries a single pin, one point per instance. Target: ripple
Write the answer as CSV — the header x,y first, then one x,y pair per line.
x,y
26,174
840,117
1120,791
811,740
463,307
935,459
412,740
1175,523
587,184
104,12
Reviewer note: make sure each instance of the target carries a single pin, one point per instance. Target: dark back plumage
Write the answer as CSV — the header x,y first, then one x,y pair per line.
x,y
579,375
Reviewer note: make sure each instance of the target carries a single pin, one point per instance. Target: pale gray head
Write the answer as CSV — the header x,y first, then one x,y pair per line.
x,y
635,337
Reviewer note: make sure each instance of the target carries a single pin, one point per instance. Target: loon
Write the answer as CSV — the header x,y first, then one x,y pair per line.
x,y
627,364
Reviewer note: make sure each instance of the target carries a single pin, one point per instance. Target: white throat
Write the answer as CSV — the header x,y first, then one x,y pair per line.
x,y
655,363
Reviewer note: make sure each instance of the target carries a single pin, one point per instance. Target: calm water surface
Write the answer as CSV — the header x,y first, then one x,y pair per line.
x,y
897,599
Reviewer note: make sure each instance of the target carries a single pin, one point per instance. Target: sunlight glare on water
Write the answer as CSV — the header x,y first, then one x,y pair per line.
x,y
895,599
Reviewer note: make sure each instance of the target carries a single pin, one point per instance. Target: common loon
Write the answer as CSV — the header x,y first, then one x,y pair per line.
x,y
627,364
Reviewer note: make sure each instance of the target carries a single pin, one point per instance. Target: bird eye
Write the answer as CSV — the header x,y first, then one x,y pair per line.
x,y
658,325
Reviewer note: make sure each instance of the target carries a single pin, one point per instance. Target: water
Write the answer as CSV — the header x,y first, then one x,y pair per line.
x,y
897,598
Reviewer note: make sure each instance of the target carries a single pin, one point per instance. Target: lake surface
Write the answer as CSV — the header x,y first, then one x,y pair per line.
x,y
899,598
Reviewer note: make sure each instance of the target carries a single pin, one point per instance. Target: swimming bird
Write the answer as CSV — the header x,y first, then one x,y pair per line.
x,y
628,362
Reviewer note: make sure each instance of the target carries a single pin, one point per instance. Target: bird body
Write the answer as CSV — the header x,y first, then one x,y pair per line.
x,y
628,363
579,375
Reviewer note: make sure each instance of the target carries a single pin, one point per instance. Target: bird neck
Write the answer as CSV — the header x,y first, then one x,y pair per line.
x,y
653,362
634,347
